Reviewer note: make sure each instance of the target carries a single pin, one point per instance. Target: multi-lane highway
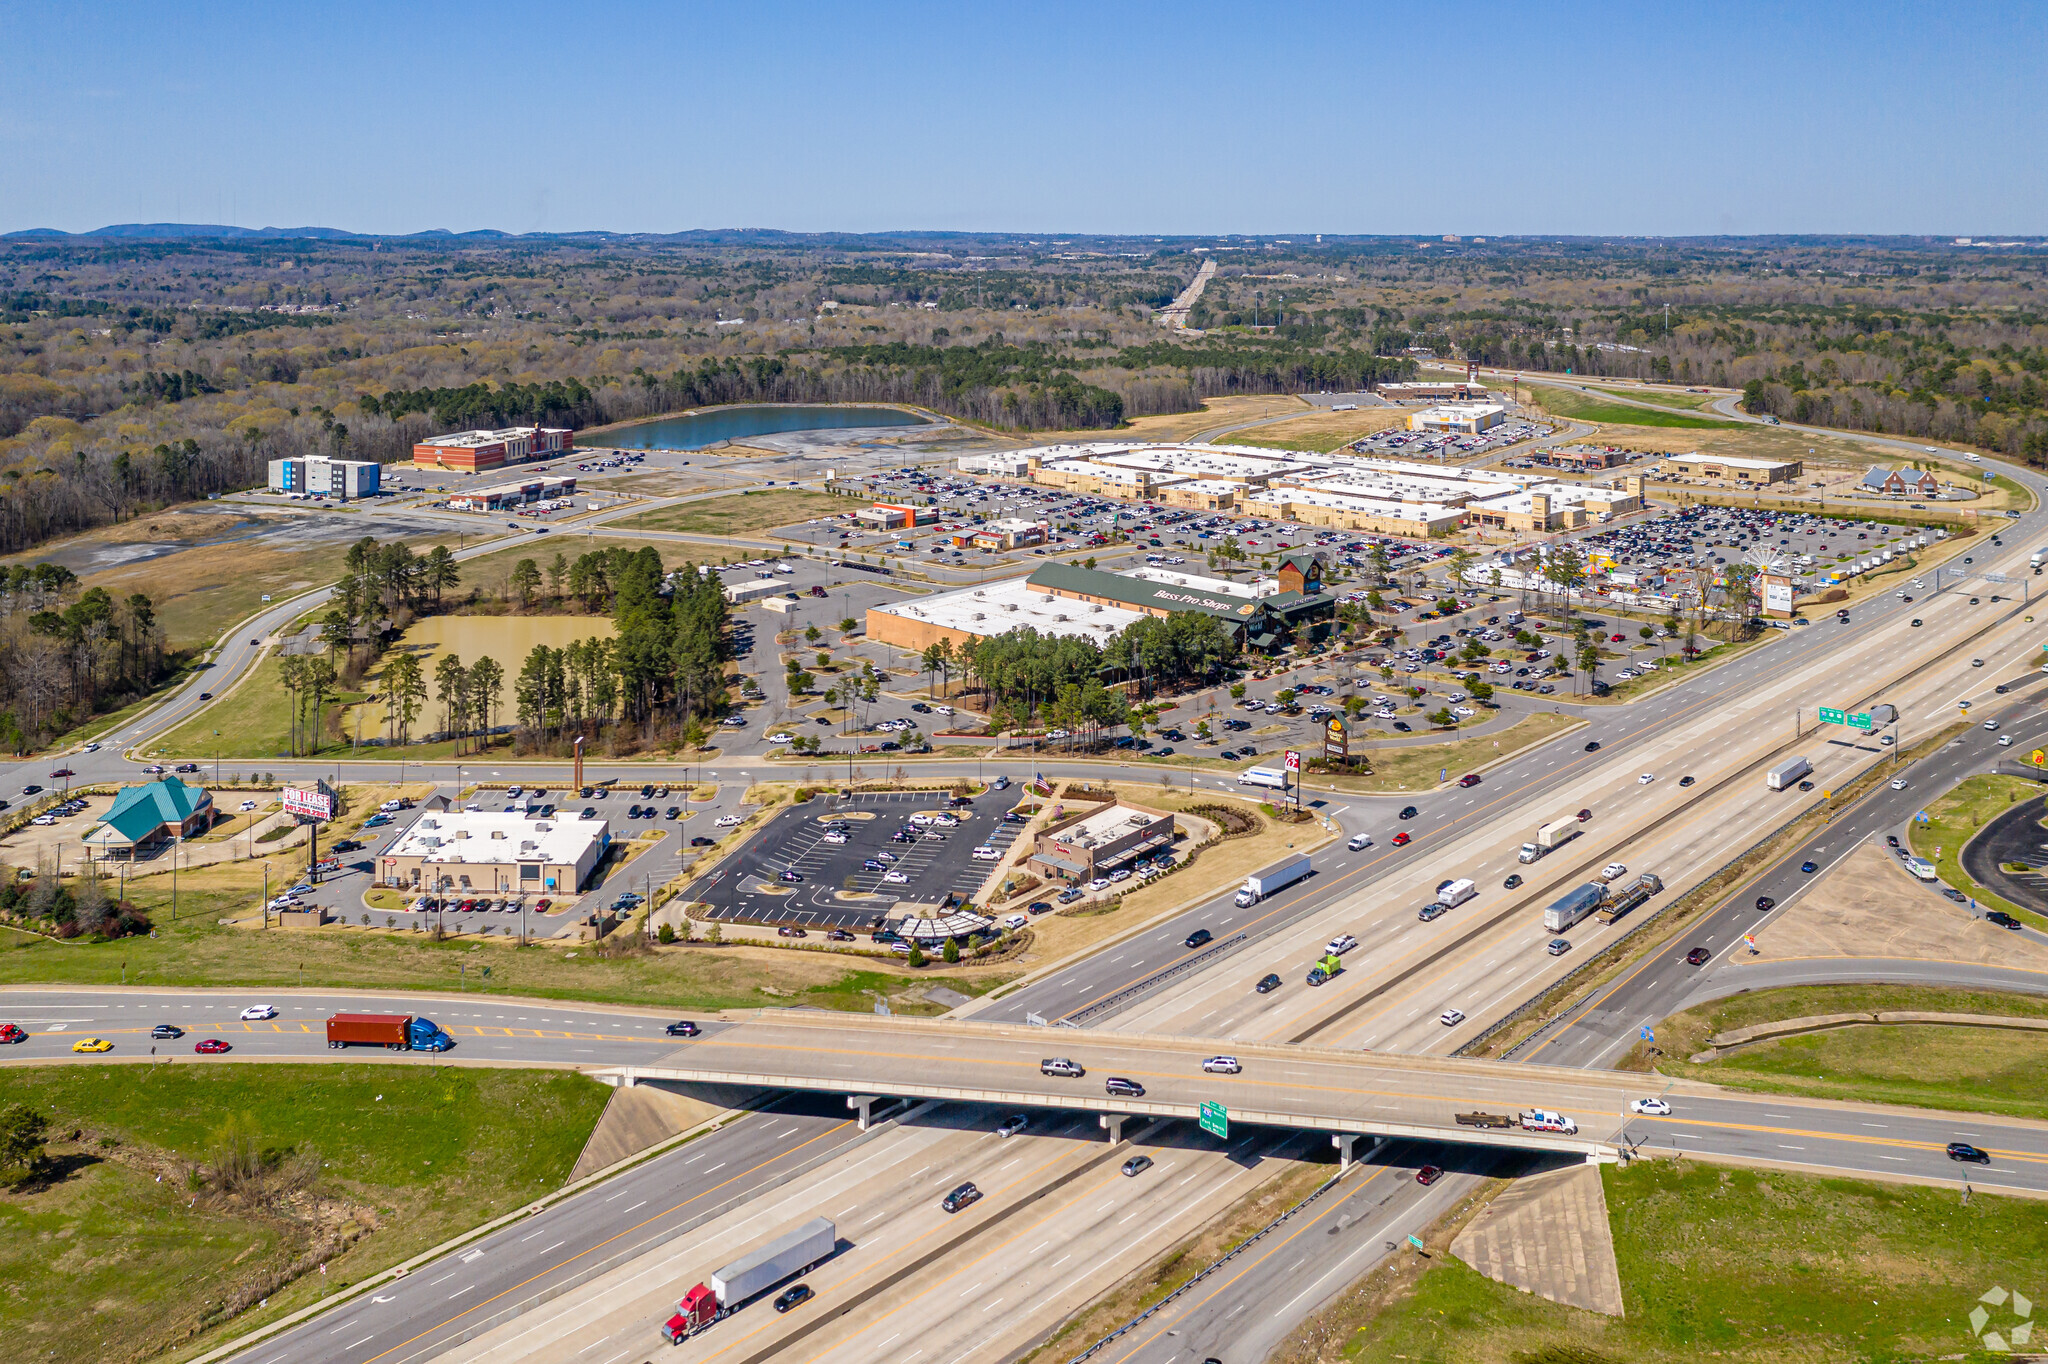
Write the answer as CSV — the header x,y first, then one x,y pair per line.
x,y
1715,727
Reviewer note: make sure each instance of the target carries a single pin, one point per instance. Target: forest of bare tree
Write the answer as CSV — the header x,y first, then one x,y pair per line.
x,y
137,372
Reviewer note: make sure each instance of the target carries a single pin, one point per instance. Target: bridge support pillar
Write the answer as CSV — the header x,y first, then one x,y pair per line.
x,y
865,1103
1347,1148
1113,1123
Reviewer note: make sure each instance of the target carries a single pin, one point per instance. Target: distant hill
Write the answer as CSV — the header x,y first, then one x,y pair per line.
x,y
174,231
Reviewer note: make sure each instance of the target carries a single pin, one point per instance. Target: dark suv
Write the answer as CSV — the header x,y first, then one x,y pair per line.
x,y
1118,1087
960,1197
1962,1150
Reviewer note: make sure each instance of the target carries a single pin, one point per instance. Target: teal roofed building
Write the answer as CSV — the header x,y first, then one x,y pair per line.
x,y
147,817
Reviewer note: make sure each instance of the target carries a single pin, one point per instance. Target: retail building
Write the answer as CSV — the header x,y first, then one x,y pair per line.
x,y
509,853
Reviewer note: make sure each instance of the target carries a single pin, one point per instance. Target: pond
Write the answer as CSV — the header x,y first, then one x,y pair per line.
x,y
696,430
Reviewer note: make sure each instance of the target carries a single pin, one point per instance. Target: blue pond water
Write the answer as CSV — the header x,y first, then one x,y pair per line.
x,y
737,423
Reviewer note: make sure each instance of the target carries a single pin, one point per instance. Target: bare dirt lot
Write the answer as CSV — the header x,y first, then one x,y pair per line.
x,y
1869,906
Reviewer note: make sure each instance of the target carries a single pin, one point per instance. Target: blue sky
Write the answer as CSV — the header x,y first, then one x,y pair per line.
x,y
1187,118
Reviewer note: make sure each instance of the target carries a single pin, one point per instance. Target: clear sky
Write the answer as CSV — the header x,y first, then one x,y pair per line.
x,y
1044,117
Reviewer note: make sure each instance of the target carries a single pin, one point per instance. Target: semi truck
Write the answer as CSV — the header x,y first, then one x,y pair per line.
x,y
1550,838
1451,894
1787,773
1574,906
1627,897
1257,888
396,1032
794,1252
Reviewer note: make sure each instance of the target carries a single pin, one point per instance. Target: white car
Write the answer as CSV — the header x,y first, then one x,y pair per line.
x,y
2005,741
1222,1065
1991,724
1016,921
727,821
256,1013
895,878
921,819
942,710
986,854
1341,944
1898,783
1099,883
779,738
92,747
1646,778
946,821
1612,870
1656,1108
1120,874
1451,1018
248,805
835,837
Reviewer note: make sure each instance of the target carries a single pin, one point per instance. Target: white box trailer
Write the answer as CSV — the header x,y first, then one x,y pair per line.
x,y
1258,887
1550,837
785,1257
1453,893
1568,909
1787,773
1274,777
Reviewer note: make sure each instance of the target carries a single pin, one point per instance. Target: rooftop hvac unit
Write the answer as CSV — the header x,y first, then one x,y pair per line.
x,y
462,833
497,833
1059,618
979,616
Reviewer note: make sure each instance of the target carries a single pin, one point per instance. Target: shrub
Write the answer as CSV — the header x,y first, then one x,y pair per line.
x,y
666,935
951,952
916,957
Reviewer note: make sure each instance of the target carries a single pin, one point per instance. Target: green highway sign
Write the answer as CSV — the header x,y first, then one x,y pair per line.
x,y
1215,1120
1830,716
1861,721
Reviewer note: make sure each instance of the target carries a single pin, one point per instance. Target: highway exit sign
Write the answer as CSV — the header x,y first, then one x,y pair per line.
x,y
1860,720
1830,716
1215,1119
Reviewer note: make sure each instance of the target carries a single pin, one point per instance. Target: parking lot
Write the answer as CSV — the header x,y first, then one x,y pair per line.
x,y
1652,555
845,863
1450,445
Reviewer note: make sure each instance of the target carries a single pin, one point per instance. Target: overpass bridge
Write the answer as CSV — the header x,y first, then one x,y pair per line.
x,y
1348,1094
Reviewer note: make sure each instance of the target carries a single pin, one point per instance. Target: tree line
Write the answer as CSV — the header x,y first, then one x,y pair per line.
x,y
67,654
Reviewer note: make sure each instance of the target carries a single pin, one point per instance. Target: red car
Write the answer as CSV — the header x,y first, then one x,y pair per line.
x,y
212,1046
1469,779
1429,1174
1401,840
541,906
63,772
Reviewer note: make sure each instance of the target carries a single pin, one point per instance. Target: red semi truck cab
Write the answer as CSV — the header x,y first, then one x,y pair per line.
x,y
698,1309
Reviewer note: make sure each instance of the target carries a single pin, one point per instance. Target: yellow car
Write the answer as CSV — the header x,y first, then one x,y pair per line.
x,y
92,1044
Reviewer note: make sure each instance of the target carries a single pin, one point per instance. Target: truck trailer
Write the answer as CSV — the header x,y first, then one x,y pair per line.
x,y
1549,838
1274,777
396,1032
1257,888
788,1255
1620,901
1574,906
1787,773
1451,894
1328,965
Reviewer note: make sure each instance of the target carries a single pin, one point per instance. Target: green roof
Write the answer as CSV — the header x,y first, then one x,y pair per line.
x,y
140,811
1142,593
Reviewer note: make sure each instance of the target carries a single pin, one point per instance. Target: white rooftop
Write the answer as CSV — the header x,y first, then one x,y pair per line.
x,y
473,438
1105,825
1735,461
993,608
1173,577
1422,513
497,837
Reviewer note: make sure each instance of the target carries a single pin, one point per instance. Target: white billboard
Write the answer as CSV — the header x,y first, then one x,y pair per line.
x,y
308,802
1778,596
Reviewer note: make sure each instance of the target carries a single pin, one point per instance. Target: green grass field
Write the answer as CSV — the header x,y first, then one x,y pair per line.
x,y
1689,401
109,1263
1990,1070
1565,402
254,720
1746,1266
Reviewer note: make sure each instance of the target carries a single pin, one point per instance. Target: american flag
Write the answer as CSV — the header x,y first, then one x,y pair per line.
x,y
1040,786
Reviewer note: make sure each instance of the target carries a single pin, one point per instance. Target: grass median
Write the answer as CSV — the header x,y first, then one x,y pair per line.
x,y
1416,767
179,1198
1922,1065
1583,407
1731,1264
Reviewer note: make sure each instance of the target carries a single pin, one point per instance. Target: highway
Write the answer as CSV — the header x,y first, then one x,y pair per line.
x,y
1683,728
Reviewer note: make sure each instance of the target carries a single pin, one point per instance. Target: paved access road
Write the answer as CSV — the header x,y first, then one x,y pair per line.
x,y
1611,1020
485,1028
